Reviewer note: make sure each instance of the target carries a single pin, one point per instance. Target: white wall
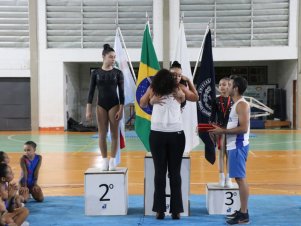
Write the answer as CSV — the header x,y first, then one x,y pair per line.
x,y
84,79
72,89
287,71
14,62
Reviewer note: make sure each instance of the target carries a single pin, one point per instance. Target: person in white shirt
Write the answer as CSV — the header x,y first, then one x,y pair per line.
x,y
167,140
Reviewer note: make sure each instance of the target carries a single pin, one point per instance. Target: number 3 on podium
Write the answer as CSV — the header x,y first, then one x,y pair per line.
x,y
230,198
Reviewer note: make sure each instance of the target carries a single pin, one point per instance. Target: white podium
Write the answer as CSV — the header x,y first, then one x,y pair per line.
x,y
106,192
222,200
149,173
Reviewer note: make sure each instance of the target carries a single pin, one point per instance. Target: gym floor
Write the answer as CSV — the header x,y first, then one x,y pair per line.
x,y
273,166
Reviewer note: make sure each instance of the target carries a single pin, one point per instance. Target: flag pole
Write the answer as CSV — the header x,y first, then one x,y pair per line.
x,y
123,43
117,12
147,21
149,30
182,17
201,50
127,54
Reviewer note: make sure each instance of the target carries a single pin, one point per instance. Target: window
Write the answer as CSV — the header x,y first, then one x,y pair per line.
x,y
92,23
14,29
237,23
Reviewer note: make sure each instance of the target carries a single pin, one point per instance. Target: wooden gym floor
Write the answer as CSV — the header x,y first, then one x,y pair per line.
x,y
273,166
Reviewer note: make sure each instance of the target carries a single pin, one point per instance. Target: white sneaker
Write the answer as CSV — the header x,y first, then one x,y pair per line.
x,y
229,183
104,164
112,166
221,180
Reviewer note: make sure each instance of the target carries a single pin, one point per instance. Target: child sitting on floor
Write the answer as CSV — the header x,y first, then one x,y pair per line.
x,y
4,157
11,213
18,199
30,166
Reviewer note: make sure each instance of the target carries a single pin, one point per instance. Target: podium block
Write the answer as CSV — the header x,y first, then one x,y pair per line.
x,y
106,192
222,200
149,173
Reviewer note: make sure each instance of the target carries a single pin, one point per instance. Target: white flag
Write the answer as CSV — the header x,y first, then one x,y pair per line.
x,y
129,91
189,113
122,64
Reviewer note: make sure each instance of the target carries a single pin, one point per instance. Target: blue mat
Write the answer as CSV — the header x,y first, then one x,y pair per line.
x,y
265,210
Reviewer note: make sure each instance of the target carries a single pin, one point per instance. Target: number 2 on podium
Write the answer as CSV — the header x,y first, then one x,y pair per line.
x,y
107,188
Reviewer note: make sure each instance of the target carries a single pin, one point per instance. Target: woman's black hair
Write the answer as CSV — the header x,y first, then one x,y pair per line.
x,y
2,156
164,83
31,143
3,169
107,49
175,64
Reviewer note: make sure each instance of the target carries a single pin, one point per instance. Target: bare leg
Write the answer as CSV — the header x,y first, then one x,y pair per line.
x,y
37,193
102,121
221,140
227,162
244,194
20,215
221,153
114,129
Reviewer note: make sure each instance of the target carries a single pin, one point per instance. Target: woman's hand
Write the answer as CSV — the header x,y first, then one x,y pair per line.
x,y
14,186
184,78
157,100
12,189
23,190
89,112
217,130
119,115
36,188
2,206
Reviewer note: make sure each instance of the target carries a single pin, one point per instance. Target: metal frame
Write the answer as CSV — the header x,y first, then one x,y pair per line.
x,y
257,104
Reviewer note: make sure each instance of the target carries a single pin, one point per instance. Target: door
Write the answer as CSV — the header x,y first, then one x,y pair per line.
x,y
15,104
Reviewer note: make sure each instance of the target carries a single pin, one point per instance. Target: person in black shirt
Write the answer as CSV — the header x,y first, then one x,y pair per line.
x,y
221,108
109,104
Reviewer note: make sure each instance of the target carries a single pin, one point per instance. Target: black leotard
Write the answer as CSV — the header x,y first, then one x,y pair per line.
x,y
107,82
221,108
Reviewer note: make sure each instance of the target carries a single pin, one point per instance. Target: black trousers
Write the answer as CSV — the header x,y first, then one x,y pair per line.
x,y
167,150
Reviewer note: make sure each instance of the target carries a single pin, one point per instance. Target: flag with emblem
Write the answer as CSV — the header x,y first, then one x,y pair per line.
x,y
205,84
148,67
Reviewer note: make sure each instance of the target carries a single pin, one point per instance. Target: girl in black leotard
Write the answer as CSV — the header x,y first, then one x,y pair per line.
x,y
109,108
221,108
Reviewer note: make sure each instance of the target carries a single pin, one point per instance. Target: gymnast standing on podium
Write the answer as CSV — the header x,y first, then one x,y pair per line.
x,y
167,140
109,108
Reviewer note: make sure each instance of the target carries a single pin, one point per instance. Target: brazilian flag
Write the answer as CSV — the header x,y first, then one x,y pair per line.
x,y
148,67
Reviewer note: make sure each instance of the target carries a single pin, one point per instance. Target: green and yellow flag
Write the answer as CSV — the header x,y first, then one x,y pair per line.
x,y
148,67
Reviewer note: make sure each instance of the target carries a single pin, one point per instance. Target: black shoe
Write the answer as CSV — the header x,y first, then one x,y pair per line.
x,y
160,216
233,215
240,218
175,216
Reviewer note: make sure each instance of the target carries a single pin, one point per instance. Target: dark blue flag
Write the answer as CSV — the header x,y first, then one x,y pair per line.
x,y
205,84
